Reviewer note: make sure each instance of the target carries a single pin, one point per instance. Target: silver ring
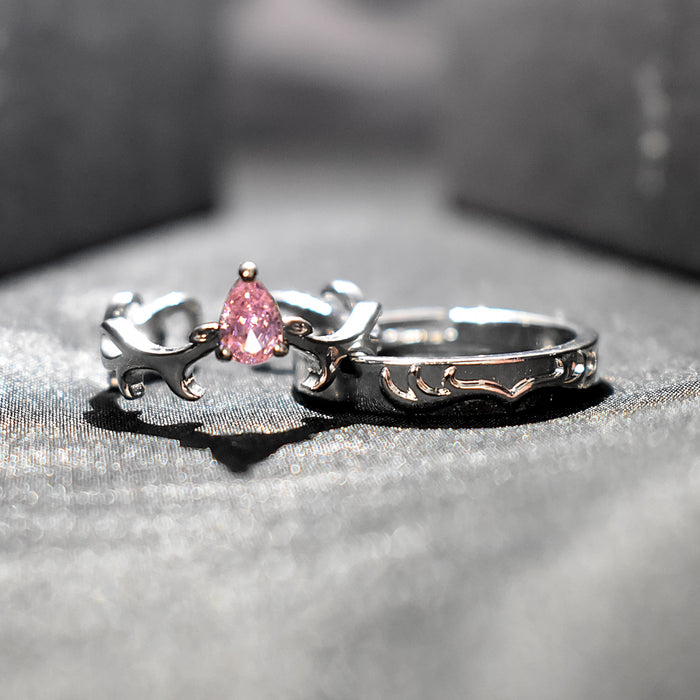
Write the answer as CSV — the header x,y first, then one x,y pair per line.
x,y
426,358
348,351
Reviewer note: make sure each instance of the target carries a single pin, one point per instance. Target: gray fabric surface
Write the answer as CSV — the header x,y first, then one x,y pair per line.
x,y
245,546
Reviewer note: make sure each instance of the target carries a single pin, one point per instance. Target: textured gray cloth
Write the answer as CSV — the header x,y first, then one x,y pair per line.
x,y
245,546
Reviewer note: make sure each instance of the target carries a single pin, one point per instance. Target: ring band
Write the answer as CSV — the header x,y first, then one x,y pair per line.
x,y
427,358
348,351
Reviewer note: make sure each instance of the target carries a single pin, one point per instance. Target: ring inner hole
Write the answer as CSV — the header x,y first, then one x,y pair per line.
x,y
448,339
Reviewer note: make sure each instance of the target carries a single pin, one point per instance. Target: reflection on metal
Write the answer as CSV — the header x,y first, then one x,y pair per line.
x,y
328,351
580,370
349,352
131,346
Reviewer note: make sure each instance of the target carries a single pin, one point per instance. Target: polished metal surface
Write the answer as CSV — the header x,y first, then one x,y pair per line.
x,y
463,353
324,353
133,337
348,352
427,358
132,345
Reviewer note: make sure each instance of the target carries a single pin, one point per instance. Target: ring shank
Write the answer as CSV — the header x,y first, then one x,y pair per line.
x,y
430,357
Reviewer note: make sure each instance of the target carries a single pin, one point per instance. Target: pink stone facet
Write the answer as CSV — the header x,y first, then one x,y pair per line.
x,y
250,324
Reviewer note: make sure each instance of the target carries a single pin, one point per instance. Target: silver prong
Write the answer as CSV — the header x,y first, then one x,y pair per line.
x,y
203,332
223,353
281,349
248,271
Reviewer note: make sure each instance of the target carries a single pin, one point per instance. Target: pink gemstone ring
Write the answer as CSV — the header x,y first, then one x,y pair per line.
x,y
251,330
348,351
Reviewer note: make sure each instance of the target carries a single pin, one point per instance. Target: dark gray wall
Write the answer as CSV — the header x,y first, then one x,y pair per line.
x,y
105,120
581,116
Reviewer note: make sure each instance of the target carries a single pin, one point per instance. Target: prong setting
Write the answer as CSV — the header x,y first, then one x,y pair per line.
x,y
250,324
281,349
248,271
203,332
223,353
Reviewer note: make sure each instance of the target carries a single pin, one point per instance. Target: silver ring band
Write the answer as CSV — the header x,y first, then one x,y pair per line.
x,y
428,358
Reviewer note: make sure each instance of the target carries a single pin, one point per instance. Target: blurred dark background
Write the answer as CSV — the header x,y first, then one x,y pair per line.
x,y
334,72
582,119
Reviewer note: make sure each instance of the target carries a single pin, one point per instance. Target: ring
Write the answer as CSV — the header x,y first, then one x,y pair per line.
x,y
348,351
135,341
428,358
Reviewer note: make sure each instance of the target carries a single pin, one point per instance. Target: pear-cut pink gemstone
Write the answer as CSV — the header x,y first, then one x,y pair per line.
x,y
250,324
